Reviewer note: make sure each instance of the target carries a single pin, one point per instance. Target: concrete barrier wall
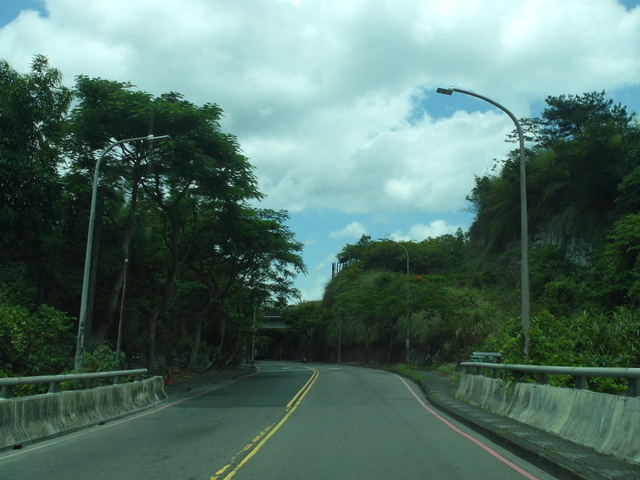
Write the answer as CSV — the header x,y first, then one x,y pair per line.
x,y
607,423
28,419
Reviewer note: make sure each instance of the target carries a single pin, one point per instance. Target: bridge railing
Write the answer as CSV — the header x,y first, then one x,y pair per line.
x,y
87,379
580,374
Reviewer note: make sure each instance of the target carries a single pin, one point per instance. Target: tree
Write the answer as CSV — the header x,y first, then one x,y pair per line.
x,y
162,208
629,199
353,253
35,342
199,166
495,202
620,262
571,117
244,248
32,112
105,112
303,320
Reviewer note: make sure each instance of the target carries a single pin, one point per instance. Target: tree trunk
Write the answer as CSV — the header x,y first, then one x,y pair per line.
x,y
365,353
152,319
233,355
151,342
131,225
109,315
197,335
221,333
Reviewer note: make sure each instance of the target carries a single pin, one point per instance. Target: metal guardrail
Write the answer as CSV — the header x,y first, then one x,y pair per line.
x,y
579,373
7,383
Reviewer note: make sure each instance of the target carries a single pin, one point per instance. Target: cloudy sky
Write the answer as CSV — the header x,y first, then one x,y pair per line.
x,y
334,101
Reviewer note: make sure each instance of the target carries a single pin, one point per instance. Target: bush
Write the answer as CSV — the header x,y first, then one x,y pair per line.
x,y
34,342
100,359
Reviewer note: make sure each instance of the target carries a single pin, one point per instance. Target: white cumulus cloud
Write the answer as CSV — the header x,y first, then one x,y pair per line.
x,y
353,230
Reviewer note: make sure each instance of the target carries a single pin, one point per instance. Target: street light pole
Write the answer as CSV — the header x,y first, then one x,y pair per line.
x,y
408,323
82,318
524,229
340,338
122,303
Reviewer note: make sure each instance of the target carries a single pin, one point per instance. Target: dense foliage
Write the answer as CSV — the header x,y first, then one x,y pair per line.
x,y
185,262
583,182
182,255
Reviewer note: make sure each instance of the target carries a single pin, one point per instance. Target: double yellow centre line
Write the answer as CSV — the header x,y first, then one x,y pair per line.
x,y
244,455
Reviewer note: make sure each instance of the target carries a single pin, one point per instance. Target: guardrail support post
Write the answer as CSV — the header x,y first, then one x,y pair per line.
x,y
54,387
5,391
581,383
634,387
543,379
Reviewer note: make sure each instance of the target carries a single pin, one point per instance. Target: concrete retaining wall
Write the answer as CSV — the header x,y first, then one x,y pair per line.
x,y
28,419
607,423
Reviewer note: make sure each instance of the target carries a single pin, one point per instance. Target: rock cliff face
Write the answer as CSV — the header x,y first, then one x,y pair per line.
x,y
578,250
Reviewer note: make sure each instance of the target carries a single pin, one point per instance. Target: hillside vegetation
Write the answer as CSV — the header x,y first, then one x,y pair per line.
x,y
185,263
583,181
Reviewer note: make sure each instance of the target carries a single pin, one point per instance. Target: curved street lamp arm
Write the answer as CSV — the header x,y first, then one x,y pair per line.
x,y
524,223
87,259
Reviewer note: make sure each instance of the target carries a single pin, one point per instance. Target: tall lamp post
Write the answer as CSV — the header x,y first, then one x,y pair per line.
x,y
408,323
82,318
524,233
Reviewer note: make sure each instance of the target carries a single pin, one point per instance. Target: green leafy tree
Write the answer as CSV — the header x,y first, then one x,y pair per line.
x,y
366,306
34,342
199,166
32,112
629,199
621,263
303,320
243,248
572,117
351,254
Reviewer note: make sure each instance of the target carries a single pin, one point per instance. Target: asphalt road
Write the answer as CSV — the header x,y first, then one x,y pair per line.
x,y
284,422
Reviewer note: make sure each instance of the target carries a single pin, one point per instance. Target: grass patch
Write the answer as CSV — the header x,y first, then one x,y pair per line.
x,y
408,372
449,371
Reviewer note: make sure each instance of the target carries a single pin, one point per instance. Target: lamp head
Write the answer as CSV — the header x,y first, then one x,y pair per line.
x,y
160,138
445,91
